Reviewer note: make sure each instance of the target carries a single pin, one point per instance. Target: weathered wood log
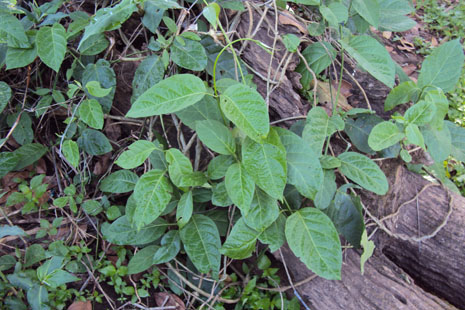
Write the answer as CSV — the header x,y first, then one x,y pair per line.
x,y
382,286
426,231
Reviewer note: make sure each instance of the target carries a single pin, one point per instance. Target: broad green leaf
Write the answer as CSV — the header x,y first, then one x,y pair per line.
x,y
149,72
438,142
94,45
28,154
291,42
392,15
136,154
266,164
274,235
94,142
373,57
317,129
364,172
121,232
368,249
95,89
329,162
304,169
189,54
442,68
153,14
71,152
105,76
180,169
14,28
157,157
402,93
306,2
205,109
326,190
51,45
240,186
241,241
5,95
246,108
263,211
360,129
216,136
202,243
319,56
34,254
37,297
218,166
121,181
383,135
414,135
92,207
334,13
59,277
211,13
457,135
346,214
90,112
168,96
369,10
170,247
184,209
313,238
152,193
142,260
420,113
220,195
7,262
8,162
441,102
7,230
23,133
19,57
107,19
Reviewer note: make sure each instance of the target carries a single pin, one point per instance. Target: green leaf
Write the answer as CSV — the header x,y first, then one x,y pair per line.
x,y
59,277
37,297
149,72
369,10
313,238
51,45
266,164
438,142
368,249
202,243
319,56
360,129
7,262
157,157
420,113
153,14
71,152
263,211
240,186
19,57
402,93
34,254
346,214
14,28
414,135
8,162
121,181
23,132
291,42
121,232
216,136
94,88
246,108
90,112
205,109
189,54
180,167
220,195
142,260
241,241
94,45
104,74
317,129
442,68
326,190
170,247
94,142
184,209
92,207
274,235
136,154
168,96
152,193
334,13
218,166
7,230
5,95
441,103
28,154
383,135
304,169
373,57
329,162
306,2
457,135
392,17
211,13
364,172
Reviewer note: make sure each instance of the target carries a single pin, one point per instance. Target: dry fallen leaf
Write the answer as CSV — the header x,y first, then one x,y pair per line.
x,y
324,92
434,42
81,305
286,18
409,69
163,299
406,45
387,34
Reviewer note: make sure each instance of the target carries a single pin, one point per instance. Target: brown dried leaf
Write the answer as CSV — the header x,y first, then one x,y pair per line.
x,y
163,299
387,34
409,69
434,42
286,18
406,45
81,305
324,91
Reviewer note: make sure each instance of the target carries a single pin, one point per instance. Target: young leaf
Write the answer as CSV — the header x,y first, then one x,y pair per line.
x,y
274,235
211,13
441,102
148,73
180,169
438,142
95,89
188,54
241,241
263,211
326,190
383,135
368,248
136,154
51,45
317,129
334,13
369,10
313,238
218,166
266,164
37,297
202,243
105,76
94,142
90,112
240,186
291,42
152,193
71,152
168,96
184,209
121,181
216,136
142,260
373,57
364,172
414,135
170,247
402,93
246,108
420,113
442,68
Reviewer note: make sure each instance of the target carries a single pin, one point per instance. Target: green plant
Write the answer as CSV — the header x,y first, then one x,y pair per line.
x,y
29,195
